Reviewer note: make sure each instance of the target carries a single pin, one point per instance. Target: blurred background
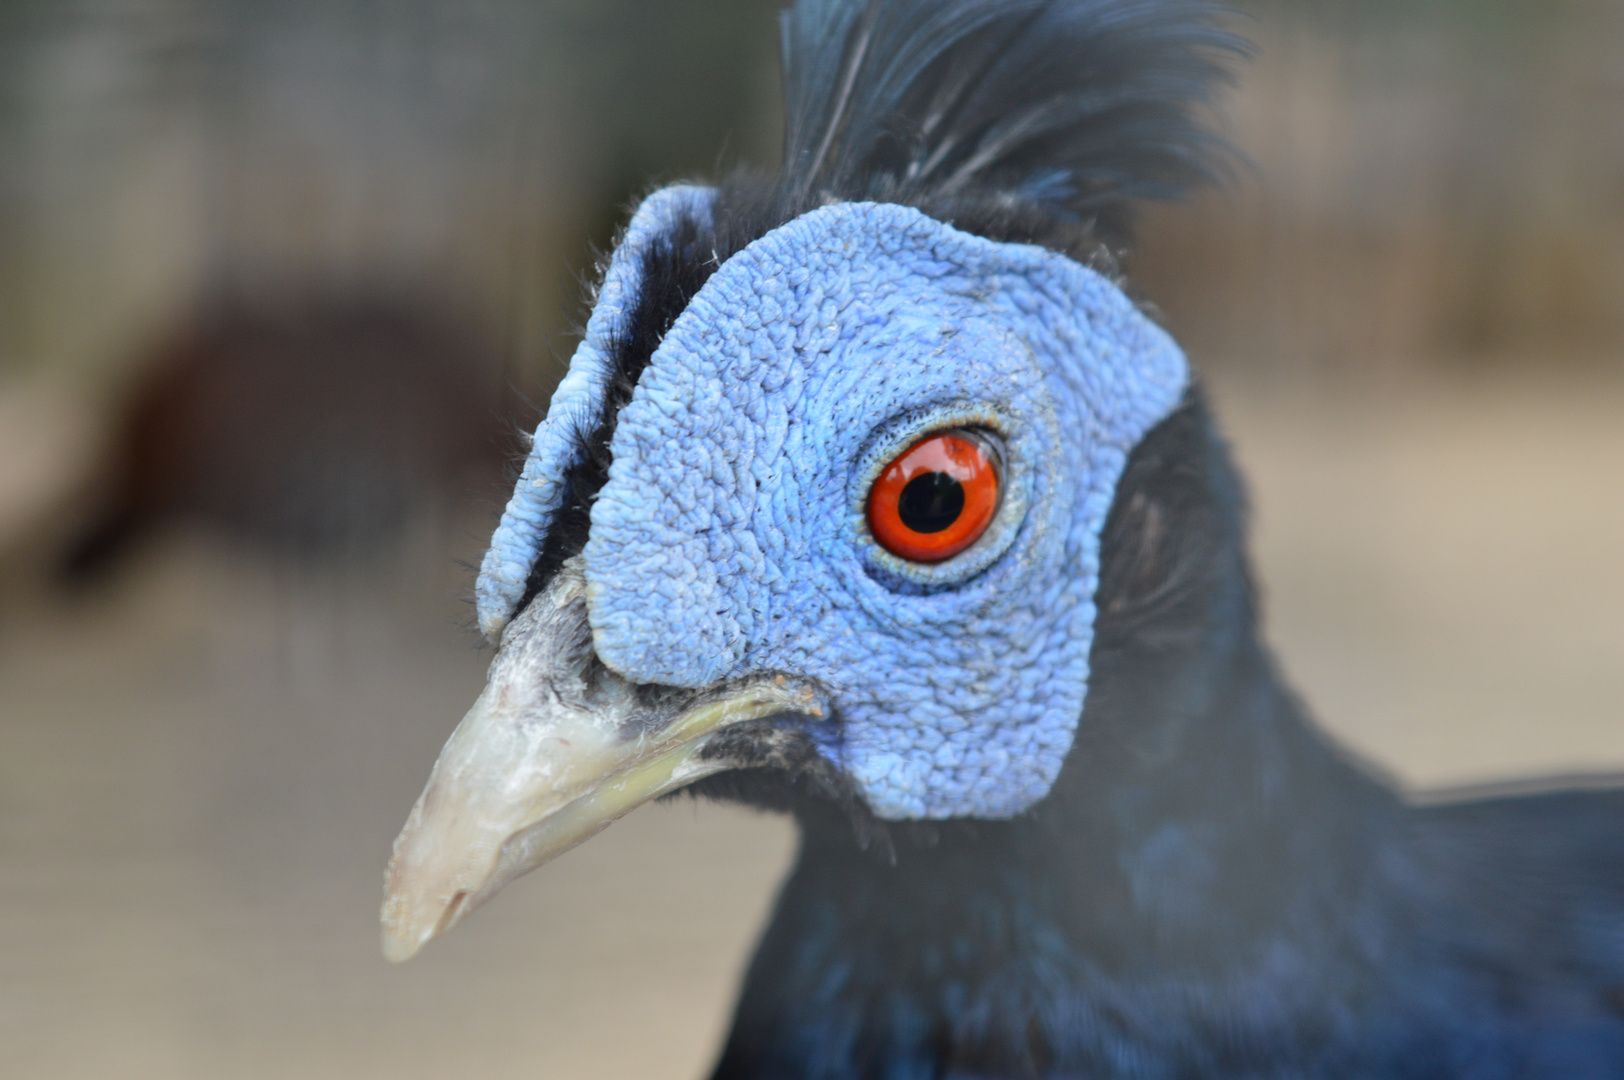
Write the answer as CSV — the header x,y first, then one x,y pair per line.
x,y
281,281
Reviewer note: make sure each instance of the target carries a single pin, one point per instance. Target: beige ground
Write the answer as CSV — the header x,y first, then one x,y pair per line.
x,y
200,776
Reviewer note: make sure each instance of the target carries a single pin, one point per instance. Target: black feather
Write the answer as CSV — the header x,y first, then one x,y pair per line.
x,y
1075,107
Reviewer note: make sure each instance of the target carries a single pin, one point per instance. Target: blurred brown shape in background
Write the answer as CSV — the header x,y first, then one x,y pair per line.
x,y
315,428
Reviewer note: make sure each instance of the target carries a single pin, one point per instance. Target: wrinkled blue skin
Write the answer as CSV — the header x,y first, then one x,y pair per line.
x,y
575,405
731,538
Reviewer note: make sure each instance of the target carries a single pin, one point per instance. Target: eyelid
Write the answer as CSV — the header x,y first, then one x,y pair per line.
x,y
890,439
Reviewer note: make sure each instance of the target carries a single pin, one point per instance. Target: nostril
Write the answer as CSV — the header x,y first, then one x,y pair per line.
x,y
448,917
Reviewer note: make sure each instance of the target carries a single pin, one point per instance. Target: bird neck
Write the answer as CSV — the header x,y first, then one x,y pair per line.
x,y
1210,888
1229,881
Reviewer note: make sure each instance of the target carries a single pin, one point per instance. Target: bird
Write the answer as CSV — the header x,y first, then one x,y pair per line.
x,y
310,424
872,496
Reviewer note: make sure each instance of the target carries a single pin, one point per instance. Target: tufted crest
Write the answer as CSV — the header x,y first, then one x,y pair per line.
x,y
1070,107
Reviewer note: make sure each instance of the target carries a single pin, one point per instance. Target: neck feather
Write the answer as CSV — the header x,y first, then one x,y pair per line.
x,y
1208,874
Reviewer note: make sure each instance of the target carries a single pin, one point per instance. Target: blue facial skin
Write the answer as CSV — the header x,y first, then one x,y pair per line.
x,y
731,536
575,406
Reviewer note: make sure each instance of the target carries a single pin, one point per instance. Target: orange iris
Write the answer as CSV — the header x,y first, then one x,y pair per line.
x,y
936,498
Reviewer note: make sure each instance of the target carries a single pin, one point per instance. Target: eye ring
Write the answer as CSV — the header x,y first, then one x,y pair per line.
x,y
937,497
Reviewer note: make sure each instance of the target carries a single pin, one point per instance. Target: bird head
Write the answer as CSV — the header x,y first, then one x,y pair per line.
x,y
823,490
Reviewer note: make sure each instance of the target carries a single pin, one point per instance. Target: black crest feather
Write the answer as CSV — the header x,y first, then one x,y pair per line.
x,y
1072,107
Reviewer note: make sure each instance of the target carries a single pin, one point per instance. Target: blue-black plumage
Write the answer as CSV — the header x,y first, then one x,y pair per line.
x,y
1060,815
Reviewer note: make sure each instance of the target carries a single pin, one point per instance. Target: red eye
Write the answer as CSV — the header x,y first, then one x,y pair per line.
x,y
936,498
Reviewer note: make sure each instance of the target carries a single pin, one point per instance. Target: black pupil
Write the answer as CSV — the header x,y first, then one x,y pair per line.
x,y
931,502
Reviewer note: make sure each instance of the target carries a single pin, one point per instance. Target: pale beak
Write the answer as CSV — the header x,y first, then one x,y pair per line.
x,y
555,749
